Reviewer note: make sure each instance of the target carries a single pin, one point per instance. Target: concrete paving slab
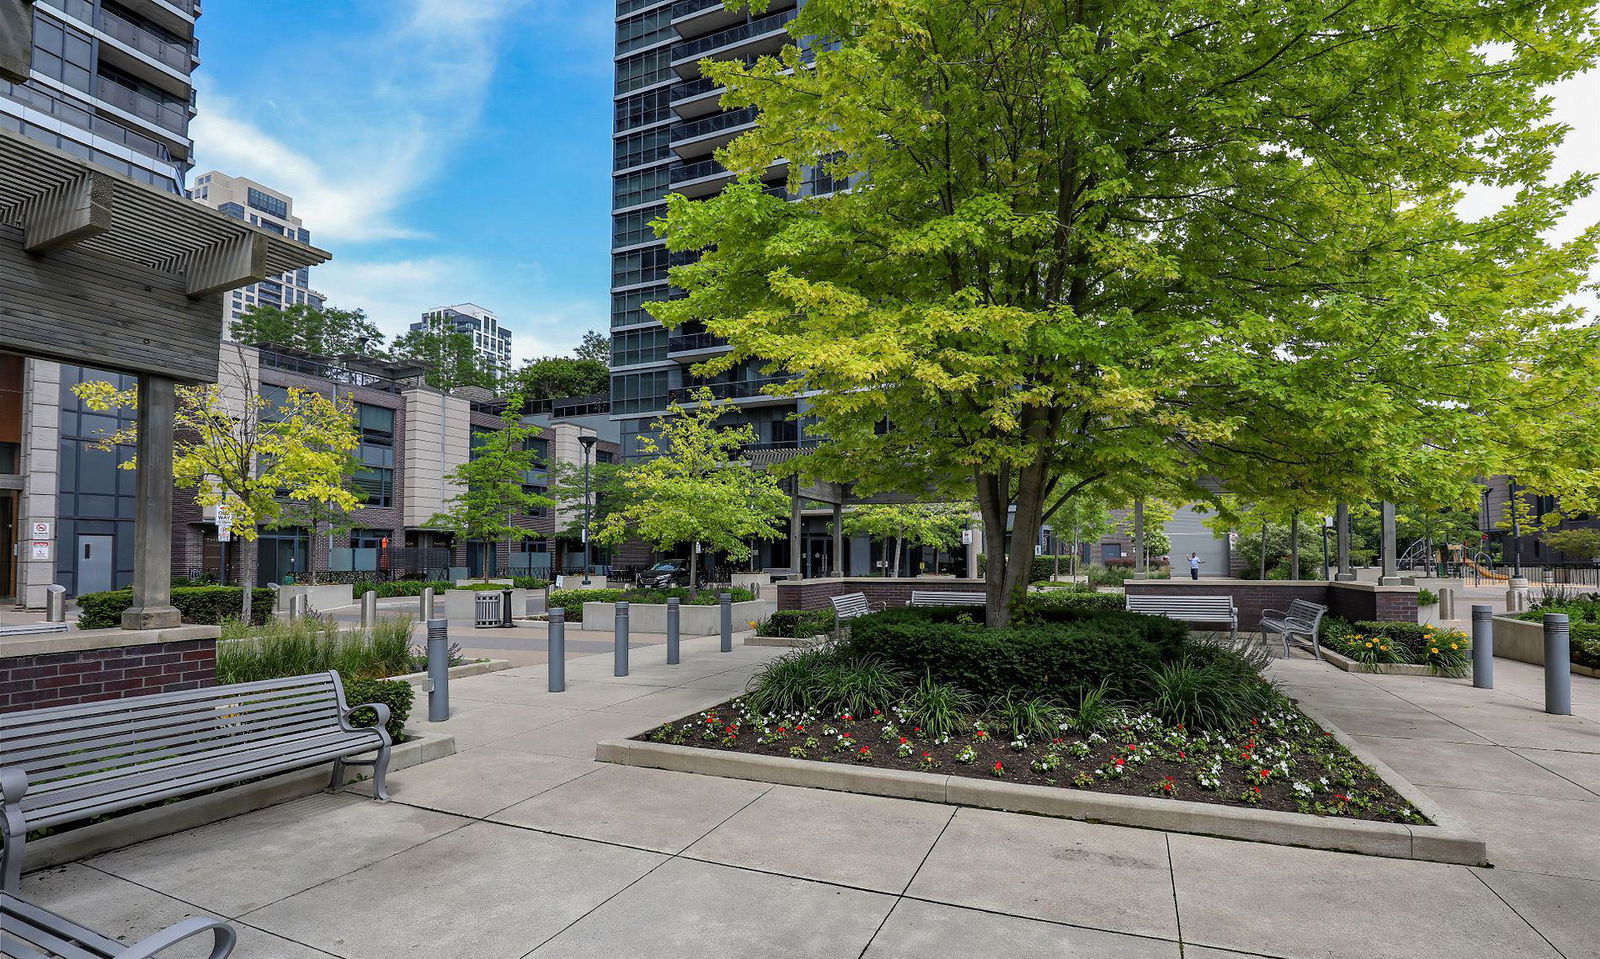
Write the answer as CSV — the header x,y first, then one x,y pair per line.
x,y
649,808
1471,766
1402,721
237,865
1544,732
916,930
1104,877
576,738
486,891
696,910
480,781
1563,910
128,912
672,703
871,842
535,691
1305,902
1580,768
475,722
1560,837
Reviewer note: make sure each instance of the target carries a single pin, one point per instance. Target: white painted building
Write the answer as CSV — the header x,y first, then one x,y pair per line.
x,y
490,340
270,209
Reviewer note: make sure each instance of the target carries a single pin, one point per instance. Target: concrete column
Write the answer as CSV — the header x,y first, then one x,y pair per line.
x,y
796,546
152,542
1341,519
1390,574
838,539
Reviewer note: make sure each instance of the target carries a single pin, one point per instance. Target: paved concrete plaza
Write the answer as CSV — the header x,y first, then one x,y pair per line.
x,y
521,844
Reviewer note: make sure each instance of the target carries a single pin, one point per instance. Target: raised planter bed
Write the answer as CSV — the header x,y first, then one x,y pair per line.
x,y
1523,641
458,672
461,603
784,641
1386,669
1442,838
692,620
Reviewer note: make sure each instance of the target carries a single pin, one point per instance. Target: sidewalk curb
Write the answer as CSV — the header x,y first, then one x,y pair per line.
x,y
459,672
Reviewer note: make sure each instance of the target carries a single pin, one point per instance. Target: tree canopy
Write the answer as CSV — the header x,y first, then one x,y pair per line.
x,y
552,377
326,332
1120,247
492,491
596,346
450,353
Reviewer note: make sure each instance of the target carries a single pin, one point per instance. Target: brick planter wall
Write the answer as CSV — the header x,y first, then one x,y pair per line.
x,y
891,591
1351,601
89,675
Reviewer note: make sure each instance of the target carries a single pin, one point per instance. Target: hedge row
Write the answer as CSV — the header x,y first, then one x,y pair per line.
x,y
572,600
203,605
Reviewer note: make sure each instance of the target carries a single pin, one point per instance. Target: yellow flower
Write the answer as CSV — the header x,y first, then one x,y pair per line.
x,y
1435,651
1383,647
1369,645
1454,646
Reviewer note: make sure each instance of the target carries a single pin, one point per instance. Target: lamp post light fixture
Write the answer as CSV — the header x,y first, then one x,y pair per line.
x,y
588,452
1327,527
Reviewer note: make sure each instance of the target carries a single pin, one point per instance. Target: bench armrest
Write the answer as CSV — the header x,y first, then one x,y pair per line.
x,y
1274,613
223,939
382,709
13,786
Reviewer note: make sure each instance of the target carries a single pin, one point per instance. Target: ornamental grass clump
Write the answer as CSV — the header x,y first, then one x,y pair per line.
x,y
313,645
939,709
1028,717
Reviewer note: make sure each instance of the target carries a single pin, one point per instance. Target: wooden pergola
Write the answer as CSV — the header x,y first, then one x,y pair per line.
x,y
99,269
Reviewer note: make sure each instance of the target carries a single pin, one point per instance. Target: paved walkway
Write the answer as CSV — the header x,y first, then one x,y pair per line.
x,y
522,845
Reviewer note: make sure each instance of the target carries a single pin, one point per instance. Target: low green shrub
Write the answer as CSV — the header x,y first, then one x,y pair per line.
x,y
1583,619
1427,597
202,605
827,680
313,645
1064,604
397,694
796,623
1374,643
1212,688
389,589
572,600
1080,649
528,582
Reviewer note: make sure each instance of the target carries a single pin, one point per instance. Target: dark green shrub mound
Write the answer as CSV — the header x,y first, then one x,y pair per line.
x,y
1067,605
797,623
389,589
1081,650
572,600
202,605
397,694
528,582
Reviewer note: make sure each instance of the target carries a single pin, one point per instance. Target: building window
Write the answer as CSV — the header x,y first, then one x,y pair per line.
x,y
629,229
374,480
627,309
646,69
62,53
638,346
642,187
639,266
643,110
639,392
640,148
267,203
644,29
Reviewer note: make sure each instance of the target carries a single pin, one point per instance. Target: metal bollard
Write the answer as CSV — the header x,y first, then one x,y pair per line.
x,y
1557,665
55,603
438,670
505,609
1447,604
727,621
297,606
369,608
1483,647
672,631
619,653
425,605
557,650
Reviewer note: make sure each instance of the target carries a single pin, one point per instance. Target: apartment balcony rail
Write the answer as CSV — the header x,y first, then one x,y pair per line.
x,y
689,89
174,55
685,7
713,124
167,114
737,389
683,172
85,119
693,342
745,31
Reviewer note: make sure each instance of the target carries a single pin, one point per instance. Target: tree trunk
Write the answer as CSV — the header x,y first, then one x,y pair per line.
x,y
1263,549
247,577
1006,579
898,542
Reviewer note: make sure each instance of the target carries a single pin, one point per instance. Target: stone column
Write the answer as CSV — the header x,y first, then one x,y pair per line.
x,y
838,539
1389,576
1341,519
796,546
152,542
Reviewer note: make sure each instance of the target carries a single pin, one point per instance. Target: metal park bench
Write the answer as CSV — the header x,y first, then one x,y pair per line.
x,y
29,629
28,931
849,606
1189,609
70,763
921,597
1300,619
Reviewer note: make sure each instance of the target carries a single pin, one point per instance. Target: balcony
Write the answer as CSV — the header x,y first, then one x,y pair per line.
x,y
178,56
694,343
753,390
754,38
695,98
705,135
170,115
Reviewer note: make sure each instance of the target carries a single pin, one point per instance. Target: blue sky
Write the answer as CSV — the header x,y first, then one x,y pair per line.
x,y
442,150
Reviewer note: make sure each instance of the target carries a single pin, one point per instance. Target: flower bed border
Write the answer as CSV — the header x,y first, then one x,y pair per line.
x,y
788,642
1448,840
1386,669
457,672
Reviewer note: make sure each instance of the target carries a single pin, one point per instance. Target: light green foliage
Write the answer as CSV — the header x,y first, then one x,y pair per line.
x,y
450,355
1122,246
554,377
1578,544
325,332
491,492
917,524
694,487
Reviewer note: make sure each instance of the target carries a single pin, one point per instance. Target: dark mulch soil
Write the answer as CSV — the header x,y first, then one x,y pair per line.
x,y
1246,767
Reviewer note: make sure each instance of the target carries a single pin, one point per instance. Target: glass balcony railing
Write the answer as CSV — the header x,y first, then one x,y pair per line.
x,y
738,389
689,89
175,55
713,124
745,31
692,342
168,114
684,172
685,7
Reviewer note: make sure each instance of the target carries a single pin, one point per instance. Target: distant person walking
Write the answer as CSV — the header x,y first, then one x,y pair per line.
x,y
1194,565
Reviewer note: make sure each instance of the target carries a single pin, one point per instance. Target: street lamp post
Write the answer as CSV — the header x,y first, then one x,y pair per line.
x,y
588,451
1327,527
1516,534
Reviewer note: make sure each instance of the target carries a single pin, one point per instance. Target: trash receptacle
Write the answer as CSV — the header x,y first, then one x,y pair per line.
x,y
486,609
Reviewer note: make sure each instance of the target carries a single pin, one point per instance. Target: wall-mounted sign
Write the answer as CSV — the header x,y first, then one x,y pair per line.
x,y
43,530
41,549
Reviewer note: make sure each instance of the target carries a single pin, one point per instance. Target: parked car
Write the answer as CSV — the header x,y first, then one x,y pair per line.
x,y
667,574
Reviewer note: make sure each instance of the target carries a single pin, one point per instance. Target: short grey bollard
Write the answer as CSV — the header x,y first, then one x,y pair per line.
x,y
438,670
558,650
369,608
55,603
1483,646
425,604
1557,665
726,600
672,631
505,609
1447,604
619,654
298,605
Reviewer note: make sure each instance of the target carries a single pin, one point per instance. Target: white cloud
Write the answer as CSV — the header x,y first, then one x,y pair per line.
x,y
357,157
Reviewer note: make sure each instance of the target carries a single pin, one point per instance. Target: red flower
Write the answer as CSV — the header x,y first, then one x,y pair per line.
x,y
1265,773
998,765
903,740
1180,754
982,734
1119,762
866,749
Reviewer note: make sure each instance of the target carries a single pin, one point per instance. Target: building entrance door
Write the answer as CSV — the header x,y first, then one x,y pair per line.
x,y
94,564
8,546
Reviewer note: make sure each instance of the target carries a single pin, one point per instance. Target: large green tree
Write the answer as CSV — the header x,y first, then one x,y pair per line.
x,y
452,360
326,332
1098,240
552,377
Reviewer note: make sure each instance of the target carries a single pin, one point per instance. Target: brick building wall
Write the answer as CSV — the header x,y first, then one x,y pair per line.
x,y
1351,601
86,676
